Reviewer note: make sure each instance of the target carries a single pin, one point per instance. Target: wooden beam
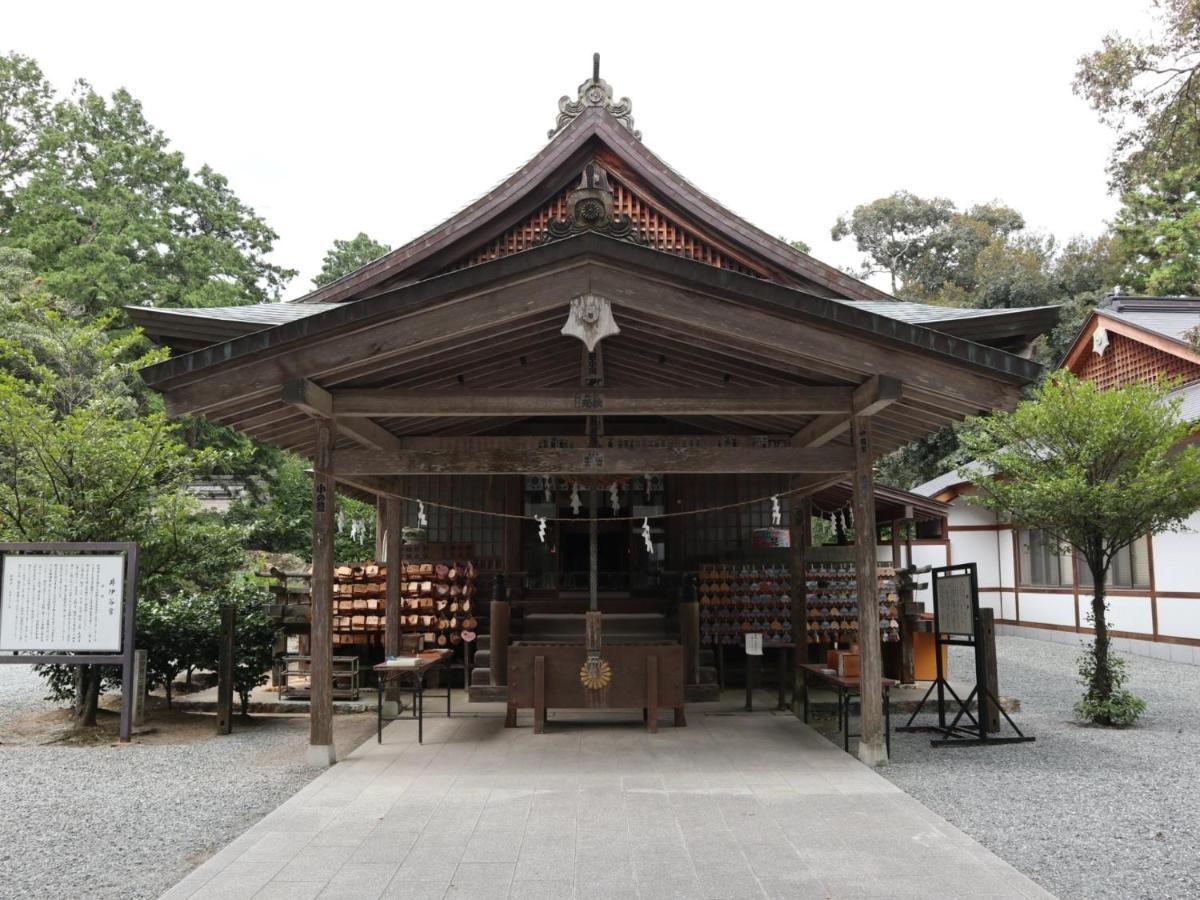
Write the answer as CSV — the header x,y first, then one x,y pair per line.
x,y
316,401
777,401
875,394
617,461
580,441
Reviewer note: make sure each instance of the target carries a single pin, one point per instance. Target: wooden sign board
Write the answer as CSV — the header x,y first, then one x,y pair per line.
x,y
955,604
62,603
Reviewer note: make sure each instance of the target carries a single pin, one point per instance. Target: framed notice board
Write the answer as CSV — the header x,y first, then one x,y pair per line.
x,y
71,604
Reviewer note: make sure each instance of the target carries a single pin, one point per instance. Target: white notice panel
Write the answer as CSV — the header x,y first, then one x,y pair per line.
x,y
68,603
955,612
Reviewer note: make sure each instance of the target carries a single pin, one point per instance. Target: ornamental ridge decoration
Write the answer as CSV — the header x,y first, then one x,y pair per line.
x,y
591,207
594,92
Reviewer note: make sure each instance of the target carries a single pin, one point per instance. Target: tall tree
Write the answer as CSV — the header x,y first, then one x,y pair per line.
x,y
894,232
345,257
1148,90
1097,470
113,216
26,99
1158,229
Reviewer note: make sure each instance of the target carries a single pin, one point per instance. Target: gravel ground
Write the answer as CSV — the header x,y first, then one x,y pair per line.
x,y
1087,812
108,822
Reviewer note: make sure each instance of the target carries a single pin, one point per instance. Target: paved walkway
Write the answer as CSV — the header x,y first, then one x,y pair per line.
x,y
733,806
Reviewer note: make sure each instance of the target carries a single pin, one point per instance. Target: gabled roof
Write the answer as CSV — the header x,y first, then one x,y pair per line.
x,y
595,134
1157,329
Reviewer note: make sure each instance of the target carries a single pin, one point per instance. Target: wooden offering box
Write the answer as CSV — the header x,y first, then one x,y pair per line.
x,y
545,676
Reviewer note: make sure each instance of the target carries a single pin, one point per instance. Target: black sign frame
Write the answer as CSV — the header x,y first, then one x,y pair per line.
x,y
124,659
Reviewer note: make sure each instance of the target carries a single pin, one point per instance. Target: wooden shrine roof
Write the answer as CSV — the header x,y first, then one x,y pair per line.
x,y
685,325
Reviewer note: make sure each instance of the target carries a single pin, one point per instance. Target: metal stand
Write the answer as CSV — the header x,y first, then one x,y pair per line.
x,y
955,734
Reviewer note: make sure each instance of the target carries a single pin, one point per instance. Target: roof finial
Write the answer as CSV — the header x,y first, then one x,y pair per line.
x,y
594,92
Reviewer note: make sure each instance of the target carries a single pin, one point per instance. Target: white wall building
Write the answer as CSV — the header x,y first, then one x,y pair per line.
x,y
1154,587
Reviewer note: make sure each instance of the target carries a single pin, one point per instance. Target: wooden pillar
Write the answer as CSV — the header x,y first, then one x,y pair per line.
x,y
392,553
801,538
380,529
320,737
871,746
498,641
689,631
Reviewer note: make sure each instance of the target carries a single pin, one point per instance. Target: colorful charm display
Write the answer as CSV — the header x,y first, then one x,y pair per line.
x,y
738,600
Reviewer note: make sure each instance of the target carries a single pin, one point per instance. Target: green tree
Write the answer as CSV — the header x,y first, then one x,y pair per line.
x,y
26,99
1097,470
347,256
112,216
1158,229
281,521
894,232
1148,90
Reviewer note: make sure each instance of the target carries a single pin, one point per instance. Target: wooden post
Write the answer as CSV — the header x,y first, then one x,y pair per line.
x,y
539,694
498,641
320,735
225,649
380,528
652,694
392,553
871,746
989,713
139,688
801,537
689,631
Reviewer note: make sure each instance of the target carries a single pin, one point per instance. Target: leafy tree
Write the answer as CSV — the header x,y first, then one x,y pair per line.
x,y
347,256
25,102
1149,91
254,638
176,633
921,461
282,521
1097,470
894,232
1158,228
112,216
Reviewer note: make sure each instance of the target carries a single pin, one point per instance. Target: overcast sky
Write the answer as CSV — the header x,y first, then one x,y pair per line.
x,y
348,117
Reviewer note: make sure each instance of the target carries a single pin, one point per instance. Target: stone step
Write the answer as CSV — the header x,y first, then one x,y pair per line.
x,y
481,677
482,659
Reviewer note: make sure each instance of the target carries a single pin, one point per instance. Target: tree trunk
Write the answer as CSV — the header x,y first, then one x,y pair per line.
x,y
169,681
87,696
1101,685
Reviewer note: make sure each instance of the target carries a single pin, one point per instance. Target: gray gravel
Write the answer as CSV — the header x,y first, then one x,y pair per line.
x,y
129,822
1087,812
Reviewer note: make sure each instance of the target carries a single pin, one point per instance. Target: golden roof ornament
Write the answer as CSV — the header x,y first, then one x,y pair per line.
x,y
594,92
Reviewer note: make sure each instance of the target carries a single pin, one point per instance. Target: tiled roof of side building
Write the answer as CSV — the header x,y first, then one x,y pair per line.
x,y
1171,317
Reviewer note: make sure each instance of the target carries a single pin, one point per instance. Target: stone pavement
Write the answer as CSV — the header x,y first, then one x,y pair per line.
x,y
734,806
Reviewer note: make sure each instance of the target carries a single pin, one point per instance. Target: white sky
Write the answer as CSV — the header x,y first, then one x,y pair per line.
x,y
339,118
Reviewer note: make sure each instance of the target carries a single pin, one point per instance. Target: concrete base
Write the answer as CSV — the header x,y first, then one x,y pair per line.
x,y
320,756
872,754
